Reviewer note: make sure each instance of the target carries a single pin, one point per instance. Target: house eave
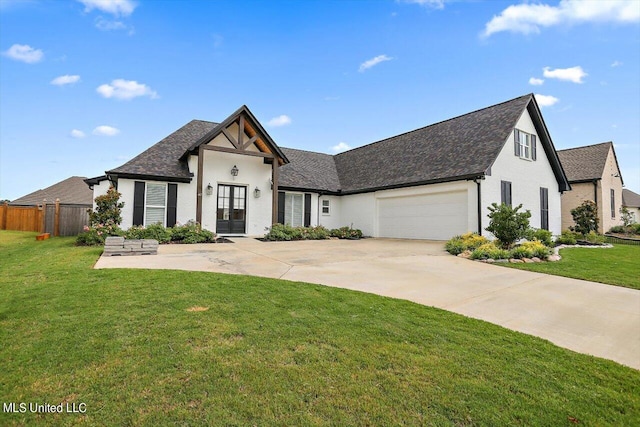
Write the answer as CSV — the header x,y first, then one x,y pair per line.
x,y
416,183
115,175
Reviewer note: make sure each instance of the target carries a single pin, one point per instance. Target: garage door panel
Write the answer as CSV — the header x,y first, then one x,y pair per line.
x,y
434,216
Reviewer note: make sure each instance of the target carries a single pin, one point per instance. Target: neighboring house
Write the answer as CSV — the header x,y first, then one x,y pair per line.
x,y
430,183
631,201
594,175
72,190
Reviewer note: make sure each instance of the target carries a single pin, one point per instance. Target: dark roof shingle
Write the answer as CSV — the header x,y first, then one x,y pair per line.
x,y
163,158
72,190
462,146
630,199
309,170
585,163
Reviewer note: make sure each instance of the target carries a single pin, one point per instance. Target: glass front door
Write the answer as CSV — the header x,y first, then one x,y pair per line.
x,y
231,212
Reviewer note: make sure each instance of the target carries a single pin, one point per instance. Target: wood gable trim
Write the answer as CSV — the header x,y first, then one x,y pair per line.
x,y
249,132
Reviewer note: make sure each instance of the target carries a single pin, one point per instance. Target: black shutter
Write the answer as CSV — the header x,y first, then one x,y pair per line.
x,y
505,192
307,209
172,202
533,147
138,203
280,207
544,208
516,142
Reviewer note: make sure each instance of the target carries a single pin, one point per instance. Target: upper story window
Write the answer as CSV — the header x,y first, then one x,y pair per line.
x,y
524,145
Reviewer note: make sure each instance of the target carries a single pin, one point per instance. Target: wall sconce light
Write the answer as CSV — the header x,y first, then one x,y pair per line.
x,y
209,190
234,171
256,193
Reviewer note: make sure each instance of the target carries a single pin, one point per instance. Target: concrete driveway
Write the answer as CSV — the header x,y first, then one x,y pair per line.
x,y
583,316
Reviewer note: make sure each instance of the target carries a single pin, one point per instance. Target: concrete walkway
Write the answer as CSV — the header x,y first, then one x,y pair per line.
x,y
583,316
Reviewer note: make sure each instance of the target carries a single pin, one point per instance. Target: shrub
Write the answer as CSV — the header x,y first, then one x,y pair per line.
x,y
153,231
507,224
566,238
455,246
316,233
346,233
626,216
617,229
635,228
191,233
544,236
473,240
95,235
585,217
108,209
489,250
520,252
283,232
535,249
593,237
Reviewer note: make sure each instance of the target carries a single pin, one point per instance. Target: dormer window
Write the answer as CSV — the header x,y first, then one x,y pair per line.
x,y
524,145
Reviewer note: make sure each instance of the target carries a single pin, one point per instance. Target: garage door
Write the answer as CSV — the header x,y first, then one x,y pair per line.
x,y
437,216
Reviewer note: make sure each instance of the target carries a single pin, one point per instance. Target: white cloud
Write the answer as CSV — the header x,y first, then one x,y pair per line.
x,y
107,25
528,18
126,89
546,100
435,4
342,146
616,64
75,133
573,74
65,80
372,62
281,120
24,53
105,130
114,7
536,82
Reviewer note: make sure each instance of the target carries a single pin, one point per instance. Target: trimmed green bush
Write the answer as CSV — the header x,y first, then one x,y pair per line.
x,y
283,232
535,249
566,238
346,233
507,224
455,246
191,233
489,250
95,235
593,237
316,233
153,231
544,236
468,241
617,229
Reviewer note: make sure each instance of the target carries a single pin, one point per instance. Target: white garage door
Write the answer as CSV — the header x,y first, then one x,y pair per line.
x,y
437,216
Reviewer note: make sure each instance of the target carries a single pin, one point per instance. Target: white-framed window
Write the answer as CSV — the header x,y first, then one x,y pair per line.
x,y
525,145
155,203
326,207
293,209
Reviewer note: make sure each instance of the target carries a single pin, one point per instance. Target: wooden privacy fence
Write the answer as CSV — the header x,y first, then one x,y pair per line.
x,y
59,219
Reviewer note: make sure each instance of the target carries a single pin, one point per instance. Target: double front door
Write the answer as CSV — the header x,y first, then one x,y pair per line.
x,y
231,211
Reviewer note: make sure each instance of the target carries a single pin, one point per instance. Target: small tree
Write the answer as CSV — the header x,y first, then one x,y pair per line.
x,y
626,217
585,217
108,209
507,224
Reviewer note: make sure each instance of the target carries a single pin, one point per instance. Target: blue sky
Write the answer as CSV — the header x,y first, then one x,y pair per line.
x,y
85,85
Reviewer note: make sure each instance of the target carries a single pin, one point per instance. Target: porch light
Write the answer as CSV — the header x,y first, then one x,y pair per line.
x,y
234,171
256,193
209,190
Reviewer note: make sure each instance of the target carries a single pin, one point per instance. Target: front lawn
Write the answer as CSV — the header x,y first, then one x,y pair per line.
x,y
192,348
619,265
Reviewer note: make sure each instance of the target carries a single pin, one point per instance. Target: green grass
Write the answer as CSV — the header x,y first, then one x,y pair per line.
x,y
270,352
618,266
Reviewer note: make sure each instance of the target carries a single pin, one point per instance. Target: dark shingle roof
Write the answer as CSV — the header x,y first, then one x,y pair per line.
x,y
163,158
585,163
309,170
630,199
462,146
72,190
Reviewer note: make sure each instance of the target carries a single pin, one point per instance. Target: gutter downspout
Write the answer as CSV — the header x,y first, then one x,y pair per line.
x,y
479,195
318,210
595,199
